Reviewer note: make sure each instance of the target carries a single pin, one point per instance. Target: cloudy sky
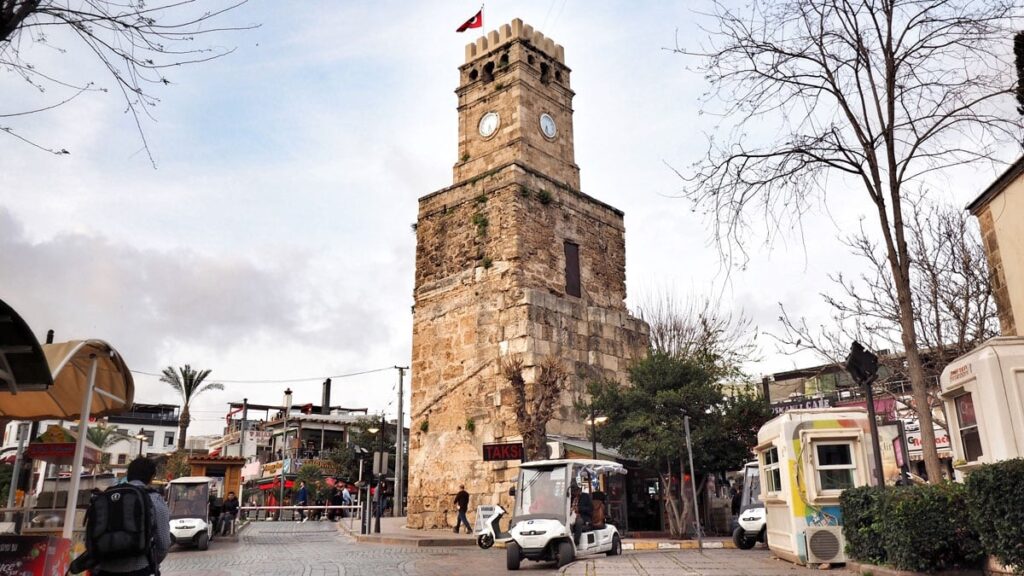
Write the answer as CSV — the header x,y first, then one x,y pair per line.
x,y
272,241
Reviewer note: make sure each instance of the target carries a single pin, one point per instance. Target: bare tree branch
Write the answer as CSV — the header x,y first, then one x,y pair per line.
x,y
133,40
880,92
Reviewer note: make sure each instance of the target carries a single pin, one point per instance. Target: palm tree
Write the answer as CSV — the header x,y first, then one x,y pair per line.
x,y
189,383
104,436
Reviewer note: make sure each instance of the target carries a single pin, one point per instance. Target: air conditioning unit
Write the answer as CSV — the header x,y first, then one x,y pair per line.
x,y
825,545
555,450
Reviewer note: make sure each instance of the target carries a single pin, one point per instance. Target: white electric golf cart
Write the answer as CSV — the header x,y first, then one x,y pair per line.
x,y
543,518
752,520
188,501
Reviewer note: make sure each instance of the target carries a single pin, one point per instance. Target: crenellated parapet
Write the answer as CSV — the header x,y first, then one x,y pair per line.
x,y
516,30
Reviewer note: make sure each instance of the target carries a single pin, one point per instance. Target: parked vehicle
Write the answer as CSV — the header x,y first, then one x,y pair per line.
x,y
491,530
188,501
752,520
544,517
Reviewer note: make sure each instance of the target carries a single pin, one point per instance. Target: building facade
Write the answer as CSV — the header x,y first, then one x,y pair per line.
x,y
513,259
1000,212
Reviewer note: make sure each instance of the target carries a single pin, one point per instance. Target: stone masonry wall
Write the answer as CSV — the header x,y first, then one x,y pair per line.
x,y
1000,290
490,282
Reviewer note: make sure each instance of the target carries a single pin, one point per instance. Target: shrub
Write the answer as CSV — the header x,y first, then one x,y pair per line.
x,y
996,504
544,196
927,528
862,526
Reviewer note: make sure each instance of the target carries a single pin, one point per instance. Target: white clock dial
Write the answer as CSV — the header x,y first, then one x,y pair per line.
x,y
547,125
489,124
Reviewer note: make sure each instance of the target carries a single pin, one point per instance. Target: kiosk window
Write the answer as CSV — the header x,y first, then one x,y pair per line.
x,y
772,473
834,464
970,441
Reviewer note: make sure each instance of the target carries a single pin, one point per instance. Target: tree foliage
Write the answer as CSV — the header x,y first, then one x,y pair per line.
x,y
188,383
645,418
868,95
136,42
535,402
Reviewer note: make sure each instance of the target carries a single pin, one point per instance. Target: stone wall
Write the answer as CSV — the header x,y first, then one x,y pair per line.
x,y
490,282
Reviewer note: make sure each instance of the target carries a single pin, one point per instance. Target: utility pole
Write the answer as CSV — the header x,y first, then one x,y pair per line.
x,y
284,450
398,510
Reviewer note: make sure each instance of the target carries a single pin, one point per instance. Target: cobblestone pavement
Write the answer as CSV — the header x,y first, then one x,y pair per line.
x,y
318,549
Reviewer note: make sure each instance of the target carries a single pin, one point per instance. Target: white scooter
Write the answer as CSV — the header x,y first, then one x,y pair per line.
x,y
491,531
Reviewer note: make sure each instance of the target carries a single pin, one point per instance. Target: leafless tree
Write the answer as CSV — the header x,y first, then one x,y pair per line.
x,y
820,96
535,402
951,293
135,41
699,327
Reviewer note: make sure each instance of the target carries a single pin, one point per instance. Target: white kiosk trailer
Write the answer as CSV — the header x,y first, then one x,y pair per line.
x,y
983,394
806,459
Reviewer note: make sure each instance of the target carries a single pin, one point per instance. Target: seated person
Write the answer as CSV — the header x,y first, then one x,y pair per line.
x,y
583,507
597,518
228,514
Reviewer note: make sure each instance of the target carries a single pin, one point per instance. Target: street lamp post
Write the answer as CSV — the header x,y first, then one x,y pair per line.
x,y
594,421
140,437
380,477
284,448
366,522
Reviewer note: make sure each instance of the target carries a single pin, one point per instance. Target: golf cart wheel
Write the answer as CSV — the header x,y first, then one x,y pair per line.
x,y
566,553
485,541
203,543
616,546
740,539
513,556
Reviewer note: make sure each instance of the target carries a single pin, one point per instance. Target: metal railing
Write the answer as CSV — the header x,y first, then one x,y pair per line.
x,y
350,512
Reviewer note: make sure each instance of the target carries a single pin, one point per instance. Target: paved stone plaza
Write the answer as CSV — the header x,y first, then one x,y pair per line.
x,y
319,549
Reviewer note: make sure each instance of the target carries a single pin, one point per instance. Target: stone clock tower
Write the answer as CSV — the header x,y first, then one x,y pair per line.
x,y
511,259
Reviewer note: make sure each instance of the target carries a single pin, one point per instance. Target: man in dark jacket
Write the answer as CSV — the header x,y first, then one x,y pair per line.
x,y
141,472
462,501
229,513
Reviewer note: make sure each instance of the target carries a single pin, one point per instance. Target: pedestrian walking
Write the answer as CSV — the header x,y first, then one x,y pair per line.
x,y
462,501
302,499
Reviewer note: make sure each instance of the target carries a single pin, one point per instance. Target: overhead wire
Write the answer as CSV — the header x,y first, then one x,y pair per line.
x,y
281,381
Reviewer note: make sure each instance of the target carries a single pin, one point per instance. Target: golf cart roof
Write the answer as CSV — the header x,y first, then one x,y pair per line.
x,y
192,480
599,466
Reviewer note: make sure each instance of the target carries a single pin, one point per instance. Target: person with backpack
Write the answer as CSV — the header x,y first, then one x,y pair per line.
x,y
117,544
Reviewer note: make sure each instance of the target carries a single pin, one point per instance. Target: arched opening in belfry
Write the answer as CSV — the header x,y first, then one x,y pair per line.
x,y
473,74
488,73
545,73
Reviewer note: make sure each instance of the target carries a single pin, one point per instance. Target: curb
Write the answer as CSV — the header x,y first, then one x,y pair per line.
x,y
863,568
639,545
432,542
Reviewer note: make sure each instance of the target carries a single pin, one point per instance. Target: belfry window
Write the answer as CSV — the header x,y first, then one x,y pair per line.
x,y
488,74
572,269
545,73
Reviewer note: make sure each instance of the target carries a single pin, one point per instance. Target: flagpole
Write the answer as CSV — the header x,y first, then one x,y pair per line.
x,y
482,29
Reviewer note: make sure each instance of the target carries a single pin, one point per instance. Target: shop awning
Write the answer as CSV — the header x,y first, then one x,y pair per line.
x,y
70,364
23,366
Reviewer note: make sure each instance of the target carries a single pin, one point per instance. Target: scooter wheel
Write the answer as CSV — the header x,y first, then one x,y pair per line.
x,y
740,539
485,541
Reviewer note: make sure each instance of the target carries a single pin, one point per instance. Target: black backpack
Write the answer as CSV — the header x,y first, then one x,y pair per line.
x,y
120,524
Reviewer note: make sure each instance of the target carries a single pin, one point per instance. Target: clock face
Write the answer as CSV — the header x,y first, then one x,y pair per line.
x,y
547,126
489,124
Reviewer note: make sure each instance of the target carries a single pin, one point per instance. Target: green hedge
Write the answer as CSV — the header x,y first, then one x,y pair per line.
x,y
861,523
995,497
928,528
920,528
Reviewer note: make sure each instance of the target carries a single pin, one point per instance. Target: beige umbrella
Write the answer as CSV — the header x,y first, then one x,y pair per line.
x,y
89,379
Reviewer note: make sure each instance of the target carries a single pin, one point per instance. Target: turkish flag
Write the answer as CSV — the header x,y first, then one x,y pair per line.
x,y
477,21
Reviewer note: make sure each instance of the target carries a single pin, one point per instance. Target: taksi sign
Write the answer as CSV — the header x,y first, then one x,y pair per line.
x,y
510,451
